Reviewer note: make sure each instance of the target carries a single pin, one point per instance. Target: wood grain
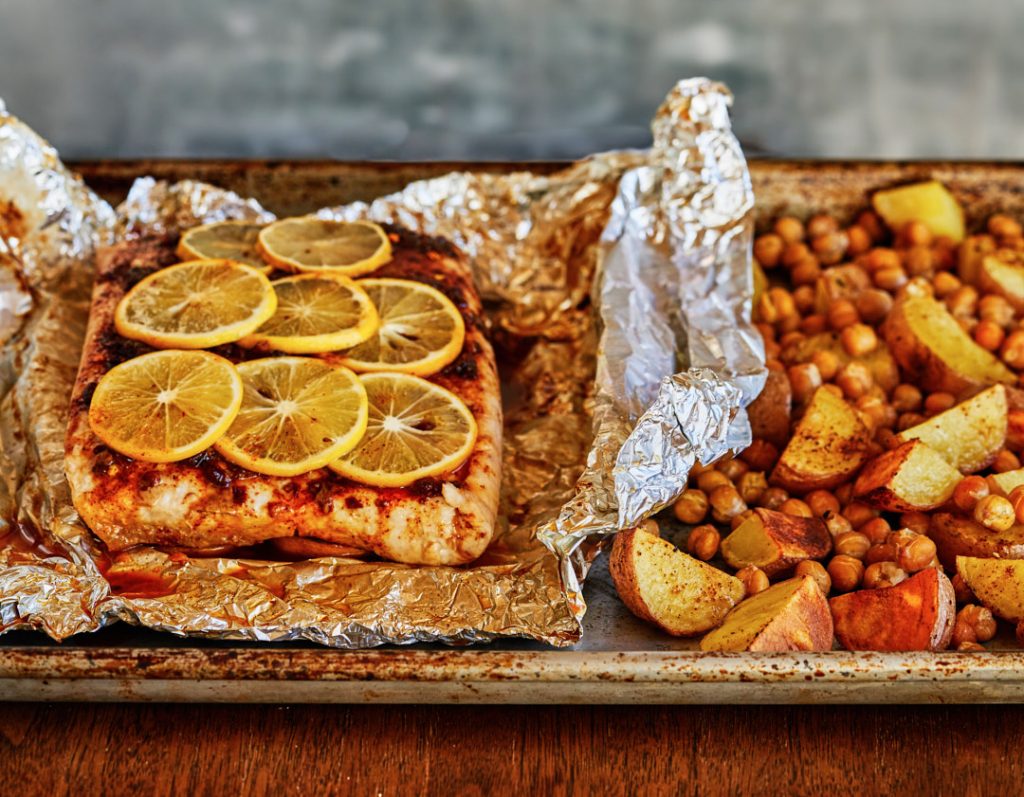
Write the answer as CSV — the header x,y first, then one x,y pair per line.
x,y
315,750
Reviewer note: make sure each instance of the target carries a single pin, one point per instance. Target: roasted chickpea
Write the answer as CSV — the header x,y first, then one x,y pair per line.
x,y
918,522
803,298
858,241
855,379
890,278
806,272
1012,350
726,503
962,591
996,309
737,521
789,229
881,552
650,526
872,225
989,335
908,419
845,572
844,492
773,498
834,389
754,580
804,379
916,233
703,542
968,492
1005,461
837,525
1015,430
822,503
795,507
995,512
881,258
873,305
858,340
938,402
877,411
944,283
733,468
913,551
691,507
711,479
1003,226
877,530
858,513
817,571
916,287
1016,499
906,398
751,486
830,247
814,323
794,253
883,574
760,455
963,301
768,249
841,314
827,363
821,224
973,624
793,338
852,544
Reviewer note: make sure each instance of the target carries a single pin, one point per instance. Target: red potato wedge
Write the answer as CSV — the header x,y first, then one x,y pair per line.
x,y
998,584
776,542
828,446
769,413
955,536
880,361
929,202
911,477
664,586
792,615
928,342
968,435
916,614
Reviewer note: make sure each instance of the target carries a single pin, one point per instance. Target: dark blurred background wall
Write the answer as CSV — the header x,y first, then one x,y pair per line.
x,y
414,79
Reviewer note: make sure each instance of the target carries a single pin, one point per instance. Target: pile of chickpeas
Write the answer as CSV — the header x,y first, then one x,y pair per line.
x,y
871,549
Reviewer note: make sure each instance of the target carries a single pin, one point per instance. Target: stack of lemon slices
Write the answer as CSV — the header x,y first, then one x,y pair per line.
x,y
367,412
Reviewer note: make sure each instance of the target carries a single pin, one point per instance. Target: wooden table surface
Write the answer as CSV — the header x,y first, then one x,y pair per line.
x,y
56,749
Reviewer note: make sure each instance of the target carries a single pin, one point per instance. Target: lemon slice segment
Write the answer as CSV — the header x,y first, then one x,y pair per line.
x,y
297,415
316,313
350,248
416,429
196,305
166,406
421,330
231,240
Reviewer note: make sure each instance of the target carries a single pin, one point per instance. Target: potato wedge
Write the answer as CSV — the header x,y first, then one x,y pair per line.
x,y
880,362
968,435
760,280
776,542
911,477
769,413
1004,483
829,444
930,202
792,615
1003,279
998,584
916,614
928,342
972,251
662,585
955,536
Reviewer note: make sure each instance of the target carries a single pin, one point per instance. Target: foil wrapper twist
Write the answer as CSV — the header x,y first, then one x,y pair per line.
x,y
618,290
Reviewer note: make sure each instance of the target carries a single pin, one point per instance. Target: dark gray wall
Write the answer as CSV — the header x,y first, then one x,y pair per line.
x,y
510,78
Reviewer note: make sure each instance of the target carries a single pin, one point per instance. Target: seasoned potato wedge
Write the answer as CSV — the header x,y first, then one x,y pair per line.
x,y
880,361
775,542
972,252
829,444
1004,279
968,435
955,536
927,341
769,413
792,615
916,614
929,202
911,477
1004,483
662,585
998,584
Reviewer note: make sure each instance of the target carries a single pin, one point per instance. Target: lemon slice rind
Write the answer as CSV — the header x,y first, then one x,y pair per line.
x,y
310,244
408,418
194,395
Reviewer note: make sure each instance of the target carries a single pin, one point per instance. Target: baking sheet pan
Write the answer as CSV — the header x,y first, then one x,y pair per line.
x,y
620,660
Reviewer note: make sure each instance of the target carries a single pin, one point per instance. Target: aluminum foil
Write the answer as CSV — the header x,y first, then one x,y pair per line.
x,y
618,295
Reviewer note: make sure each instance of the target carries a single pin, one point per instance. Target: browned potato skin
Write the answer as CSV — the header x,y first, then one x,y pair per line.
x,y
916,357
916,614
803,623
955,536
876,485
794,538
770,412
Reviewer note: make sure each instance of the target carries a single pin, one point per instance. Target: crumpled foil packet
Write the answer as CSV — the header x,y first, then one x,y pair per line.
x,y
618,296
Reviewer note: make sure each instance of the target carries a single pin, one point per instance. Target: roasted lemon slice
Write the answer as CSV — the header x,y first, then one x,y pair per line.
x,y
416,429
297,415
233,240
316,313
420,330
196,305
167,405
350,248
